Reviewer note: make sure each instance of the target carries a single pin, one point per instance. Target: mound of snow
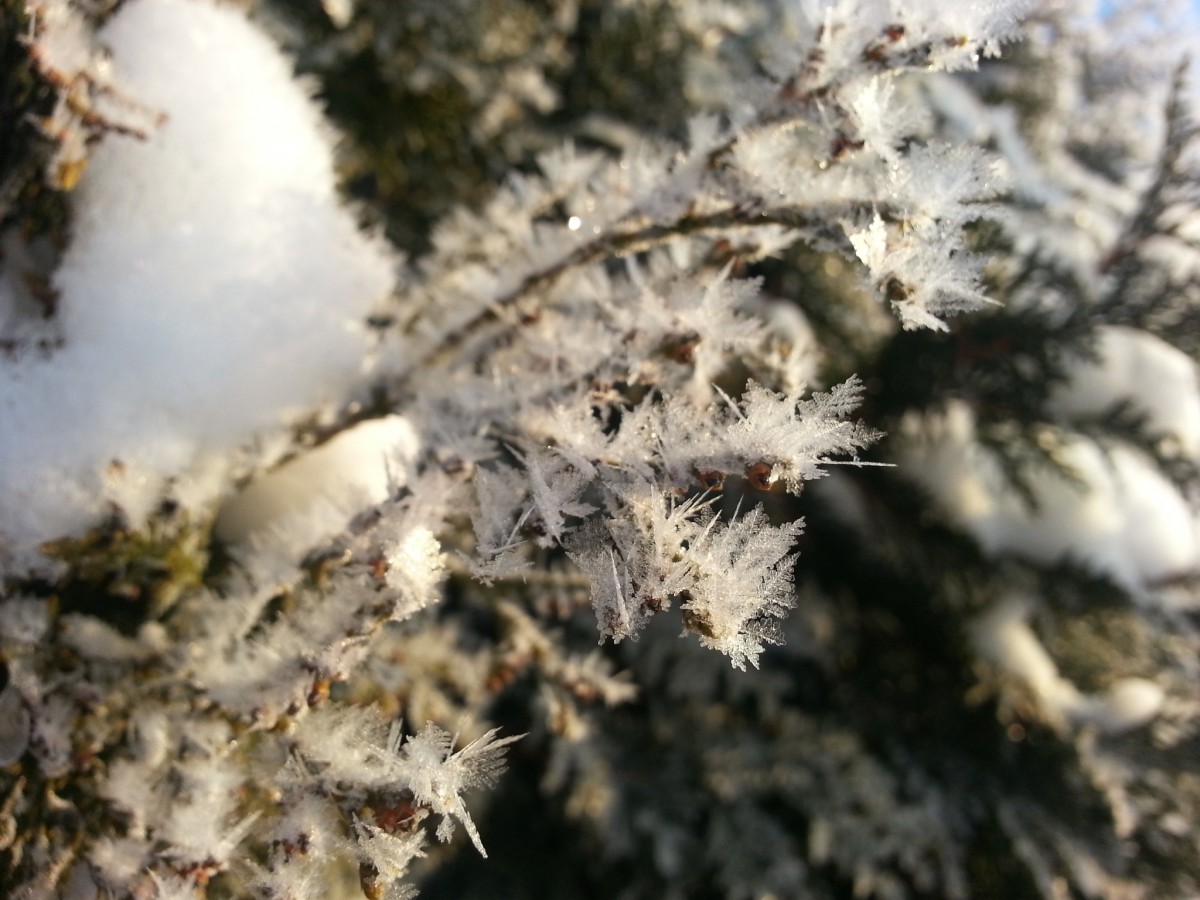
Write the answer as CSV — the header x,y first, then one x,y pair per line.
x,y
214,285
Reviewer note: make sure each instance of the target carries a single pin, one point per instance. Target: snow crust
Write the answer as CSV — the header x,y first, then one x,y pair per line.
x,y
214,286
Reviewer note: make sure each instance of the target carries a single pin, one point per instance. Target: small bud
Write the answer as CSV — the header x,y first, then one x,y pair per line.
x,y
681,348
761,476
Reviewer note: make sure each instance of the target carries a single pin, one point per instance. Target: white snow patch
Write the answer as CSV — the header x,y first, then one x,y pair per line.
x,y
1157,380
1003,637
1124,519
311,497
214,284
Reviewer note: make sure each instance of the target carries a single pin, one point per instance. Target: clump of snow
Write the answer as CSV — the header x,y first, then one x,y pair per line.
x,y
1138,368
1123,517
309,498
214,284
1003,637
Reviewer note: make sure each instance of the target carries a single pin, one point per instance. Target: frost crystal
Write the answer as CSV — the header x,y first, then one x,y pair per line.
x,y
438,775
